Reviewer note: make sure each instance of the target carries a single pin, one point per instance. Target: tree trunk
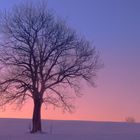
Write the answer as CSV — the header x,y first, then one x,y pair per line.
x,y
36,120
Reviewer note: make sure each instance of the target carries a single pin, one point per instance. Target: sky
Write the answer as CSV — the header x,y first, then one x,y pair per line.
x,y
114,28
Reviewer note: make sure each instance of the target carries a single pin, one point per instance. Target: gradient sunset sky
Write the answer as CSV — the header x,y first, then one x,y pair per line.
x,y
114,27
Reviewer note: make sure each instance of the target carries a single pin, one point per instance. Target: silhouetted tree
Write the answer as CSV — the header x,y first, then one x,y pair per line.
x,y
130,119
39,57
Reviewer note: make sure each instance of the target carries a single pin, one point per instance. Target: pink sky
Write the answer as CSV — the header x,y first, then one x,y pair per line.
x,y
115,28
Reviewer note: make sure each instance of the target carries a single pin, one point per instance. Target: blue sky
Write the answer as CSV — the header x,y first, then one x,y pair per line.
x,y
114,27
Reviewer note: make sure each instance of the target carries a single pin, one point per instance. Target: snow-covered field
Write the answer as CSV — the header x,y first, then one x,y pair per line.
x,y
18,129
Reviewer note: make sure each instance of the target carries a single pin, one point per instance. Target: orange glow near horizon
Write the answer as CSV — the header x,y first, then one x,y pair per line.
x,y
90,107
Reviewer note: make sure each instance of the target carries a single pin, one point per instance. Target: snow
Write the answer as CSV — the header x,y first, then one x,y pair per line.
x,y
18,129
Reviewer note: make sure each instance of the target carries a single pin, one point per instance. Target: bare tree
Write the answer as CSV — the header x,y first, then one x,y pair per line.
x,y
40,56
130,119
